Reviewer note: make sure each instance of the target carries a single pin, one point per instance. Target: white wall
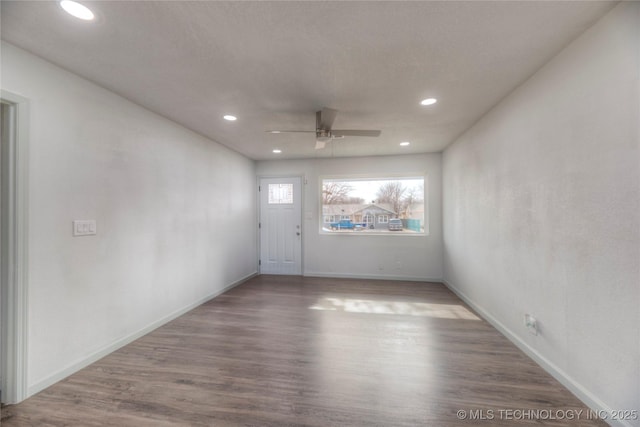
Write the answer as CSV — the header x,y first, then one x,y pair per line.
x,y
167,204
541,213
358,255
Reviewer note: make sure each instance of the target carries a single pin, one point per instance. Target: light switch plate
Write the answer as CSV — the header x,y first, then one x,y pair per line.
x,y
84,227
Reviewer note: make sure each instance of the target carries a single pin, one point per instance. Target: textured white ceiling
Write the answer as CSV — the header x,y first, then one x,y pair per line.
x,y
273,64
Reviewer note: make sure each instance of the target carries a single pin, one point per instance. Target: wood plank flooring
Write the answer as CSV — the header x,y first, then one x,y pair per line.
x,y
293,351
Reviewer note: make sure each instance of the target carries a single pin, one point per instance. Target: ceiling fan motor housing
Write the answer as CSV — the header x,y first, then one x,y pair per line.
x,y
323,135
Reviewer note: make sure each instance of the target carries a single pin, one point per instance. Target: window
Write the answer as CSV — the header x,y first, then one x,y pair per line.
x,y
280,194
366,205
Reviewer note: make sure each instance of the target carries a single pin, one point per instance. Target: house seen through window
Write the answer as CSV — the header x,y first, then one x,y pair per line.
x,y
394,205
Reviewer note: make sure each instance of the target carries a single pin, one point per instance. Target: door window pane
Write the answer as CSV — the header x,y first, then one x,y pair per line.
x,y
280,194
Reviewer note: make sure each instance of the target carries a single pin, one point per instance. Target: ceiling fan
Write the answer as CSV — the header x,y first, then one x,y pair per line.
x,y
324,133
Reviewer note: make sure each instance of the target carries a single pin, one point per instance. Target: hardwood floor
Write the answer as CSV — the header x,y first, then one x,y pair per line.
x,y
293,351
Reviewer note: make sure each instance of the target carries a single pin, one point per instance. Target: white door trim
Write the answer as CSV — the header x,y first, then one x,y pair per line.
x,y
303,183
15,275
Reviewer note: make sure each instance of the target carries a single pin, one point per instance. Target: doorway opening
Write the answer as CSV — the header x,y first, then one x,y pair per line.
x,y
13,247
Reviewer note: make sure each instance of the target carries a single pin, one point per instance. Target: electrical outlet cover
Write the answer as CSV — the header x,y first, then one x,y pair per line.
x,y
531,323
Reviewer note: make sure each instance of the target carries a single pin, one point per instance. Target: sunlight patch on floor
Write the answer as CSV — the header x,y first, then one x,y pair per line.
x,y
441,311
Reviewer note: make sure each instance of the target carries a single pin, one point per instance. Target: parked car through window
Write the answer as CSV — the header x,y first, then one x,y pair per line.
x,y
395,224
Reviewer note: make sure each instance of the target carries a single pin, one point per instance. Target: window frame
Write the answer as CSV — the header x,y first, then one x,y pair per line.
x,y
369,230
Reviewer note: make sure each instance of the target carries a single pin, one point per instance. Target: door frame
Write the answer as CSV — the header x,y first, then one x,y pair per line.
x,y
14,277
303,183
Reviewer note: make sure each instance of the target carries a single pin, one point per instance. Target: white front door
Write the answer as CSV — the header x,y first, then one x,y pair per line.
x,y
281,225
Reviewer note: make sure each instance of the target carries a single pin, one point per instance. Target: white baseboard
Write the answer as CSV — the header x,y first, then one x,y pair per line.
x,y
99,354
588,398
371,277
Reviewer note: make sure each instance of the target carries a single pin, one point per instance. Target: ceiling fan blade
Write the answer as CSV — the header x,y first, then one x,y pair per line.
x,y
320,144
327,116
355,132
290,131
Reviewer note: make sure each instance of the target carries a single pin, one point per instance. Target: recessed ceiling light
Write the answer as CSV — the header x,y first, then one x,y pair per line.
x,y
78,10
277,151
230,118
428,101
405,143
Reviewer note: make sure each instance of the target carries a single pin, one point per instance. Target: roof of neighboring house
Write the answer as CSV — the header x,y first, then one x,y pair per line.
x,y
351,209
